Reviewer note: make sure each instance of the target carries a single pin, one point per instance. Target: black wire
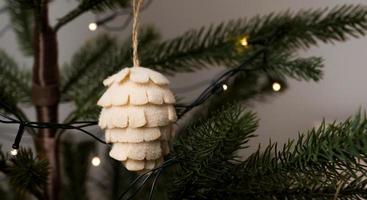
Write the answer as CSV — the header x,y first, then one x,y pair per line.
x,y
132,184
43,125
142,184
154,184
212,88
205,95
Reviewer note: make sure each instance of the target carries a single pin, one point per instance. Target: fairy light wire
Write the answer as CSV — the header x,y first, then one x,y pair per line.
x,y
211,90
80,125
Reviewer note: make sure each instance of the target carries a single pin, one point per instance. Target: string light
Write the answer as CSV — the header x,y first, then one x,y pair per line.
x,y
276,87
244,41
93,26
14,152
80,125
96,161
225,87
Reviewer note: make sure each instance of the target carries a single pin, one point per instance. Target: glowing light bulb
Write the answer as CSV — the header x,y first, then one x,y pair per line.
x,y
96,161
244,42
276,87
225,87
93,26
14,152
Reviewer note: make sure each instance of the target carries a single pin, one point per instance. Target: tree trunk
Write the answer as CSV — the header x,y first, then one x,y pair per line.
x,y
46,95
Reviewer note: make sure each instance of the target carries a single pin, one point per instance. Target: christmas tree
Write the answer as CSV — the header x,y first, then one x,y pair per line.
x,y
260,53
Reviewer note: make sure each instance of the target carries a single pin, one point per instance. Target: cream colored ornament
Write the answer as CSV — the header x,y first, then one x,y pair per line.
x,y
137,114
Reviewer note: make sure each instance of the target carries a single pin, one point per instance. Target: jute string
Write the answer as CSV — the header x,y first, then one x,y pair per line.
x,y
136,9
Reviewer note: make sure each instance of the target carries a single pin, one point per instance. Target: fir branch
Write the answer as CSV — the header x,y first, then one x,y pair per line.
x,y
15,83
76,166
207,152
299,68
88,88
195,49
219,45
116,178
27,174
87,5
246,87
21,17
327,162
24,4
325,25
312,166
86,57
255,81
283,32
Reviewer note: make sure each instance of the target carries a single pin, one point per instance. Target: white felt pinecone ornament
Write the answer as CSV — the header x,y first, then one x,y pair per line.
x,y
137,116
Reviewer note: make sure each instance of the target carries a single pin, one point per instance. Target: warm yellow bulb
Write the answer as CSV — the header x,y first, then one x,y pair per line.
x,y
93,26
14,152
225,87
244,42
96,161
276,87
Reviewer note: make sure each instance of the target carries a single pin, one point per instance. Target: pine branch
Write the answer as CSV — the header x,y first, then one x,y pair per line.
x,y
255,81
259,76
283,32
328,162
220,45
5,195
299,68
87,88
247,87
116,179
24,4
14,83
26,173
87,57
326,25
207,152
90,5
314,165
76,165
21,17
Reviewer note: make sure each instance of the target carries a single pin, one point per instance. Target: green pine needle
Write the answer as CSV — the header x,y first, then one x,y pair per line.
x,y
27,174
90,5
14,82
207,152
283,32
313,166
97,64
76,165
298,68
219,45
21,18
103,5
24,4
325,163
86,58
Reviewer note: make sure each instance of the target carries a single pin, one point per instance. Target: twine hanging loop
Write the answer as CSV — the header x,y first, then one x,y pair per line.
x,y
136,9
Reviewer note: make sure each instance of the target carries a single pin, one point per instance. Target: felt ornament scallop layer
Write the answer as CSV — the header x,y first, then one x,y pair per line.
x,y
137,115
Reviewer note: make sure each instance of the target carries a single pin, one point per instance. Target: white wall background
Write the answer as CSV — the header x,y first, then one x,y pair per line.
x,y
341,93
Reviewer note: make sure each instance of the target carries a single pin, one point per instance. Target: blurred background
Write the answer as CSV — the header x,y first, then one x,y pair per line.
x,y
340,94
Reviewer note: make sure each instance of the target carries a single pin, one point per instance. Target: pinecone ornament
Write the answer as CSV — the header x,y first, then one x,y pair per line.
x,y
137,116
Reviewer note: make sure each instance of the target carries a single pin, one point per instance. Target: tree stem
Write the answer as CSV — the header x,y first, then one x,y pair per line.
x,y
46,95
